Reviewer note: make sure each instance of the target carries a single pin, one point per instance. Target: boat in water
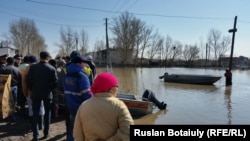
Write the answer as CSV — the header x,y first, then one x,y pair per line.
x,y
141,107
190,78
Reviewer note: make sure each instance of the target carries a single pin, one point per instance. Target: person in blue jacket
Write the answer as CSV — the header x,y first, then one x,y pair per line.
x,y
76,87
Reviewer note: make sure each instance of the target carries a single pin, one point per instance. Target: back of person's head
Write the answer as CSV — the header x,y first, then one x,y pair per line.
x,y
52,62
74,54
79,59
17,57
10,60
44,55
26,59
32,59
67,59
61,62
104,82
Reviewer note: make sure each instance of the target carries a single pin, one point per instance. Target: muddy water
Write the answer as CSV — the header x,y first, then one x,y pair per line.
x,y
190,104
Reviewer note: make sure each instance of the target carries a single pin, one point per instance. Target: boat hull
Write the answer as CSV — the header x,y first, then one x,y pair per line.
x,y
191,79
137,108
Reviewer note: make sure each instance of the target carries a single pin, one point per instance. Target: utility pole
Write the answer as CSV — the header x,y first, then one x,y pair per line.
x,y
76,43
232,46
76,38
228,73
206,56
109,64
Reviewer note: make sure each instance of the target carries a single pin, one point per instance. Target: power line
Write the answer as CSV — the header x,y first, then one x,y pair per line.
x,y
52,23
117,12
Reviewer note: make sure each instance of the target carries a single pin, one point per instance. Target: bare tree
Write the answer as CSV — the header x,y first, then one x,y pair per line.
x,y
84,42
224,45
175,51
155,46
67,43
25,37
167,50
126,32
70,41
219,45
145,38
99,45
190,53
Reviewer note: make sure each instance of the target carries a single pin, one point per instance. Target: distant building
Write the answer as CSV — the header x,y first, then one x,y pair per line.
x,y
237,62
100,57
7,50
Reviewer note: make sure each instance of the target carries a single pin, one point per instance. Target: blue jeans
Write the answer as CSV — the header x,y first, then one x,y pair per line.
x,y
36,104
14,90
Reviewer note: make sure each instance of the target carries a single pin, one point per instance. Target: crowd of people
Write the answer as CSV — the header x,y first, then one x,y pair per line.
x,y
92,110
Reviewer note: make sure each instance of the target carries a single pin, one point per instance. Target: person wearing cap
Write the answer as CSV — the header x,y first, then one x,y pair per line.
x,y
27,92
41,79
103,117
76,87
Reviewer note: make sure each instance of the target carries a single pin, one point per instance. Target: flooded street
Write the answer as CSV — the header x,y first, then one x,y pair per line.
x,y
190,104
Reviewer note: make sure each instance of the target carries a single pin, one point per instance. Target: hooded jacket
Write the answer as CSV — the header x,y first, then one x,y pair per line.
x,y
76,87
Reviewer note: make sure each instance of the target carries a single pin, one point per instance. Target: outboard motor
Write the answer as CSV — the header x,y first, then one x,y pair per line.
x,y
148,95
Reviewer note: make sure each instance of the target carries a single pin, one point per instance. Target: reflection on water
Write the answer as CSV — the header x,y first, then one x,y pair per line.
x,y
190,86
190,104
151,118
228,103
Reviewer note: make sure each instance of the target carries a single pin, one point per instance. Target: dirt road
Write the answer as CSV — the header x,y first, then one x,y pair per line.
x,y
21,131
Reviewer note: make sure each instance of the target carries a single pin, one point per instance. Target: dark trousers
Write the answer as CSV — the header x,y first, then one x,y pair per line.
x,y
21,101
70,124
14,91
12,117
36,104
228,81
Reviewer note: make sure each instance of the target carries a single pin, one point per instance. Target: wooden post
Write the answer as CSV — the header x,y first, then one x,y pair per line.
x,y
232,47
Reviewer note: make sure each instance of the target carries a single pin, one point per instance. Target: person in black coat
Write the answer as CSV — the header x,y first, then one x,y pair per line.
x,y
41,80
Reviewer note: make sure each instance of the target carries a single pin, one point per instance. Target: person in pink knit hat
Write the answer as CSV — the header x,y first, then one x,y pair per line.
x,y
103,117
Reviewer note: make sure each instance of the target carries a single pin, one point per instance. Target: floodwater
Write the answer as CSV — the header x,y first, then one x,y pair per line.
x,y
190,104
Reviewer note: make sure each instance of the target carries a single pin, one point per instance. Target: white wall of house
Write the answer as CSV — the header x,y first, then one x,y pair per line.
x,y
7,50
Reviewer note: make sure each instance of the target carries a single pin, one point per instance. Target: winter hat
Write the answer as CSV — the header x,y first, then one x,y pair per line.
x,y
44,55
26,59
103,82
74,54
79,59
32,59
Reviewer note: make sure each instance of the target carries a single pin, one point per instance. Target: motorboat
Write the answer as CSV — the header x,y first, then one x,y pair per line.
x,y
190,78
141,107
